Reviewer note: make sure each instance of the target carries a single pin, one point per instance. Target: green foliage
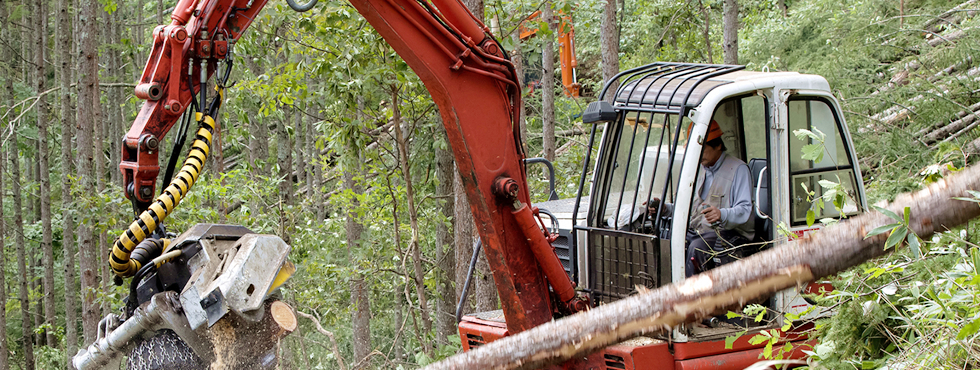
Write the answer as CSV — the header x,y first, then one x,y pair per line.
x,y
891,316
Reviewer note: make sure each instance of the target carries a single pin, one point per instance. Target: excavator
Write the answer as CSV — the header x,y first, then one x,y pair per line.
x,y
209,296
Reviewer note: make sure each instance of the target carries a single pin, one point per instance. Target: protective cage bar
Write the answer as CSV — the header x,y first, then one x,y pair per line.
x,y
622,261
641,157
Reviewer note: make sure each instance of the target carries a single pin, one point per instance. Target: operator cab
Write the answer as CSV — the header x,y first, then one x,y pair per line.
x,y
646,148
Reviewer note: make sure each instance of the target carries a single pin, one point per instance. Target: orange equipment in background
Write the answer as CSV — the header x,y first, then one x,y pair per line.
x,y
566,50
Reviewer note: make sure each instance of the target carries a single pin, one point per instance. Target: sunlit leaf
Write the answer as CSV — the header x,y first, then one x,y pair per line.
x,y
881,229
888,213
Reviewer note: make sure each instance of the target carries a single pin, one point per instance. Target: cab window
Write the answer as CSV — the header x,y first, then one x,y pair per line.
x,y
821,171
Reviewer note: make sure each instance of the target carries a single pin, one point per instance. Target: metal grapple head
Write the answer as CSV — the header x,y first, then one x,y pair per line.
x,y
213,304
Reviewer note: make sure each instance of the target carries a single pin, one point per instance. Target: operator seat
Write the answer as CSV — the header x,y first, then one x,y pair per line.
x,y
763,225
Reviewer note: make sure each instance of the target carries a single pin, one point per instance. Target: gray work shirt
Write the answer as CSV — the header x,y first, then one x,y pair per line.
x,y
741,193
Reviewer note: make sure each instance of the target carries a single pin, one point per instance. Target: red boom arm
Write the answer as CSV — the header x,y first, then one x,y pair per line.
x,y
469,78
166,83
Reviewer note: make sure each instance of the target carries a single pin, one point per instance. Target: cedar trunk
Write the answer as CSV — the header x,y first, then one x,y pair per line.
x,y
88,102
609,39
730,43
44,191
705,10
548,85
725,288
446,268
517,57
284,157
67,166
463,238
4,348
359,295
27,319
5,99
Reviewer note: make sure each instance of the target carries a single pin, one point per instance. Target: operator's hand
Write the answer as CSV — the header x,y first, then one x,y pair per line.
x,y
711,214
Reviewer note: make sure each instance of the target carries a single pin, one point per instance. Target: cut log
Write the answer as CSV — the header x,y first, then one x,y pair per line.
x,y
950,38
955,128
240,344
973,108
827,252
952,16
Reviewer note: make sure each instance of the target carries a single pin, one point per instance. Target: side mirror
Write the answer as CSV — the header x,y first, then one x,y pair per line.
x,y
598,112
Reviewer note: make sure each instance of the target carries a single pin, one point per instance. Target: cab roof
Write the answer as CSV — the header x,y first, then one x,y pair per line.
x,y
686,85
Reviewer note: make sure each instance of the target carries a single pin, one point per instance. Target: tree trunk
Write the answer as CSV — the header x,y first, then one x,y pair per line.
x,y
4,347
486,290
309,157
463,237
160,11
99,169
730,43
413,217
284,156
705,10
445,271
299,157
609,38
397,349
321,209
517,57
359,295
475,7
47,250
67,167
6,93
117,99
23,279
88,102
548,85
782,6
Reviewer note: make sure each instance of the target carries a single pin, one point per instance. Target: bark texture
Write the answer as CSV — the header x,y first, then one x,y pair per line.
x,y
828,252
88,102
517,57
548,85
5,98
67,167
360,299
446,267
609,40
44,191
706,12
23,280
463,238
730,37
475,7
284,154
4,347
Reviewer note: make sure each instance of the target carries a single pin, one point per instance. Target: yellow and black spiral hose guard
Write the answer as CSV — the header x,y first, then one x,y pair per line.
x,y
143,226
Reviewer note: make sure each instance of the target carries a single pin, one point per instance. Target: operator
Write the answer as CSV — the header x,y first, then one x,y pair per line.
x,y
721,213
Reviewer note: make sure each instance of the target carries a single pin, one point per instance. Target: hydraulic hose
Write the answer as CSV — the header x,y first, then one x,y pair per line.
x,y
301,8
119,258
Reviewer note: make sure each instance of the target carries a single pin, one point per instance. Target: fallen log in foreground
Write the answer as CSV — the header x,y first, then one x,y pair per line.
x,y
828,252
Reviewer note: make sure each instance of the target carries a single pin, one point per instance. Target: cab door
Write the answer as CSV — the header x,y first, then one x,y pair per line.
x,y
818,179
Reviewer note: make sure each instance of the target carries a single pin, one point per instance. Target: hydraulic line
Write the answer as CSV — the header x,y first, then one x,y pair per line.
x,y
119,259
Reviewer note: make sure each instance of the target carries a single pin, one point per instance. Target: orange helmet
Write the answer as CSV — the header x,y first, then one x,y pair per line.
x,y
714,131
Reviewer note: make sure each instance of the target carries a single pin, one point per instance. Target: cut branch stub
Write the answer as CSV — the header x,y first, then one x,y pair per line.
x,y
827,252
